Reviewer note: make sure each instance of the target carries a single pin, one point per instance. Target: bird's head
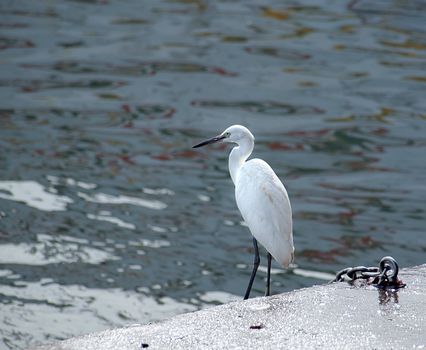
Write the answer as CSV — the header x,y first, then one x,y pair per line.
x,y
233,134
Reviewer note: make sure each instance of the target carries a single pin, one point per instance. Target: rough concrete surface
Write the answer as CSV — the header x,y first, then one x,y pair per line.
x,y
333,316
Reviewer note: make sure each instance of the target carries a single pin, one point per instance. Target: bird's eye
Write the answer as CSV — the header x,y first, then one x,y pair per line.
x,y
227,134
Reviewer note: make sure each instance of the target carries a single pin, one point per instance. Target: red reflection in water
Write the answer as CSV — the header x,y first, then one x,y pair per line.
x,y
310,133
126,108
188,154
347,244
127,159
163,156
221,71
128,124
277,146
380,131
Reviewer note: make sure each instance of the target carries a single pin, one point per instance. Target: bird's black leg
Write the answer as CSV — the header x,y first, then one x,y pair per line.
x,y
268,278
255,266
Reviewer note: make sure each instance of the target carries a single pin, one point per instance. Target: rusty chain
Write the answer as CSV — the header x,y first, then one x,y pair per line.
x,y
385,276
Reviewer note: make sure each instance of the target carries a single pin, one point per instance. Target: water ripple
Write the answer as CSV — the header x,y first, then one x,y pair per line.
x,y
51,250
121,199
106,216
34,195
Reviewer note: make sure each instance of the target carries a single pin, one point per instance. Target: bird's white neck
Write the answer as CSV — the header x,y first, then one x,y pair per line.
x,y
238,156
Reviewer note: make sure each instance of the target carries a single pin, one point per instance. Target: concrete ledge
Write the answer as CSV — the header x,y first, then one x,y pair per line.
x,y
335,316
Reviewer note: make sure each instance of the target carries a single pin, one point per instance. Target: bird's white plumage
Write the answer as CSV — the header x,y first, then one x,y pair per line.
x,y
261,197
264,204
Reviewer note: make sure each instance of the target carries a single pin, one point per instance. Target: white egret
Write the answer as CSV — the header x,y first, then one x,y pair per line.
x,y
262,200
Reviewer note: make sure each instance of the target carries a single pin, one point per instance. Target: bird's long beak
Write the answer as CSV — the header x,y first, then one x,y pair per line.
x,y
212,140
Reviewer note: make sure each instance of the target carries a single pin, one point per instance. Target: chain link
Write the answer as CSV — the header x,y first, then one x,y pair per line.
x,y
385,276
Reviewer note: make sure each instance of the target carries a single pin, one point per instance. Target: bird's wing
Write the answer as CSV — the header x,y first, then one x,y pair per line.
x,y
265,207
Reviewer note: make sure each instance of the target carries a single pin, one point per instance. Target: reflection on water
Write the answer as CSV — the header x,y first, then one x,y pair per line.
x,y
107,217
50,309
109,199
34,195
51,250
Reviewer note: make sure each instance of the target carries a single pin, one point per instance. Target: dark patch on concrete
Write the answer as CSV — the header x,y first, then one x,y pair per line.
x,y
259,326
